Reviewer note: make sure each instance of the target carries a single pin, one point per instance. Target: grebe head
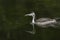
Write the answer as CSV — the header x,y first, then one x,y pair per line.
x,y
31,14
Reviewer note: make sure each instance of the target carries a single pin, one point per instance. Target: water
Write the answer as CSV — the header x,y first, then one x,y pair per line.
x,y
13,22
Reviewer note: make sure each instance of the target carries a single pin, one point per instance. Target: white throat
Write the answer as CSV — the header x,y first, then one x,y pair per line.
x,y
33,20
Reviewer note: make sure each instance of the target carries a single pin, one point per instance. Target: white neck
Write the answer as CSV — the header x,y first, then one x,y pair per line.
x,y
33,20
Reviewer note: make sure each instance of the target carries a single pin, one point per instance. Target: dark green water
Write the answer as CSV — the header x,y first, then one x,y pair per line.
x,y
13,23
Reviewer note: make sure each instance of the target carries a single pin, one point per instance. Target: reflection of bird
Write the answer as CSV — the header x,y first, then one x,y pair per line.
x,y
43,22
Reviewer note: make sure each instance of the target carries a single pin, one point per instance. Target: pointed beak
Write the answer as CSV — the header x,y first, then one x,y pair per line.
x,y
28,15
